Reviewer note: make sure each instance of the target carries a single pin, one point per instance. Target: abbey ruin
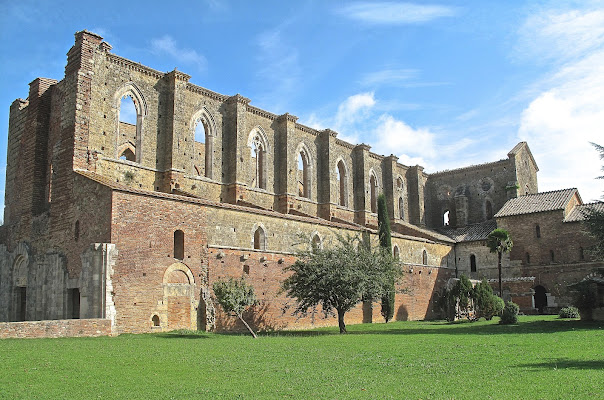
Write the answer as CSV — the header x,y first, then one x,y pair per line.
x,y
130,223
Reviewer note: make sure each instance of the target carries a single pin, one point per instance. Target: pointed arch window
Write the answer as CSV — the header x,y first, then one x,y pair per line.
x,y
131,109
396,253
472,263
316,242
373,193
127,155
259,239
258,151
446,219
203,127
425,257
303,174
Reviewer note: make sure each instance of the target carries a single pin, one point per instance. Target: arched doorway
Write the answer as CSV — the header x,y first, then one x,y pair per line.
x,y
540,297
179,287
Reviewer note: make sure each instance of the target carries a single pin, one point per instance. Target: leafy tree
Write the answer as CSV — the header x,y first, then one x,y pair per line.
x,y
486,303
499,241
386,243
594,219
337,277
235,296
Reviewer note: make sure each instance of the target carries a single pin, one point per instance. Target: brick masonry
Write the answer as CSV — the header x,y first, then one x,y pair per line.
x,y
94,205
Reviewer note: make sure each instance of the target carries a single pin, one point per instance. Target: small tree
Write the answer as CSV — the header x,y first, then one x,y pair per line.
x,y
386,243
594,219
339,276
499,241
235,296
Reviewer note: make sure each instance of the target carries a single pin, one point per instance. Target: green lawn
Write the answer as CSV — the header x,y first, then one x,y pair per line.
x,y
540,358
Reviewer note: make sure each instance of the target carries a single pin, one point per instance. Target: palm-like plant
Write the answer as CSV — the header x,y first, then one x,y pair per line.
x,y
499,241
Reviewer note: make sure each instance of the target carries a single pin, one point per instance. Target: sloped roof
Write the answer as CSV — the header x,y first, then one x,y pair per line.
x,y
538,202
470,233
578,213
414,232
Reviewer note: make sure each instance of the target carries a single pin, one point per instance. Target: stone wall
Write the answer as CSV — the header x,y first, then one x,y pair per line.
x,y
56,328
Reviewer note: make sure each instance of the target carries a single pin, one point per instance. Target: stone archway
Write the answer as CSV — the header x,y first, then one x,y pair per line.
x,y
179,297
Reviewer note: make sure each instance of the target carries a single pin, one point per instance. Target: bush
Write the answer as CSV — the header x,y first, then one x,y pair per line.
x,y
487,304
499,305
569,312
510,313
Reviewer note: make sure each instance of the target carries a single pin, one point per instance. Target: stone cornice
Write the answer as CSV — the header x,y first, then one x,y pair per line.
x,y
131,65
206,92
260,112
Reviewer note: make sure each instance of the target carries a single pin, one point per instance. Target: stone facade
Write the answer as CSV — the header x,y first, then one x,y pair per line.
x,y
132,221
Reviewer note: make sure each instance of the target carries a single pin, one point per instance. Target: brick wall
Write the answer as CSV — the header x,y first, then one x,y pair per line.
x,y
56,328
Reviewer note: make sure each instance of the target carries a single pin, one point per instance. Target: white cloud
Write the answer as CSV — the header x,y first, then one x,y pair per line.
x,y
394,136
568,112
167,45
353,110
391,13
556,35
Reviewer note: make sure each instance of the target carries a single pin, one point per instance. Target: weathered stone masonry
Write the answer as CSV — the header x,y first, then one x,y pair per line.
x,y
132,221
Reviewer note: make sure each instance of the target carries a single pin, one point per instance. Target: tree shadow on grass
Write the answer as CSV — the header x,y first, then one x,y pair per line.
x,y
493,328
183,334
455,328
565,363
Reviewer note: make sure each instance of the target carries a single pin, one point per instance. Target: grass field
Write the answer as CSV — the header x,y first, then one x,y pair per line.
x,y
540,358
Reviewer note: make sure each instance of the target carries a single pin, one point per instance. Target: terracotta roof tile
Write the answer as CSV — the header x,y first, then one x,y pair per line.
x,y
578,213
538,202
470,233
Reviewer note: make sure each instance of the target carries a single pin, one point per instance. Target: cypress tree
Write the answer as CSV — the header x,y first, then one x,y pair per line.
x,y
386,244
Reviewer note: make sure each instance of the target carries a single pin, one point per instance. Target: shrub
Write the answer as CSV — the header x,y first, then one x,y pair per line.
x,y
510,313
499,305
569,312
487,304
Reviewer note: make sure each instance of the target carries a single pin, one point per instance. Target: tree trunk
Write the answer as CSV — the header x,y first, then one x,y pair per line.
x,y
341,323
247,326
499,266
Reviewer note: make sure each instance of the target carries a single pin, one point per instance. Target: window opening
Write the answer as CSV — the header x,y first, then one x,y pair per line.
x,y
472,263
155,320
303,175
316,242
446,218
74,299
259,239
396,253
373,193
21,303
399,184
342,183
76,231
489,209
179,244
528,258
258,154
128,155
425,258
401,208
581,254
552,255
538,230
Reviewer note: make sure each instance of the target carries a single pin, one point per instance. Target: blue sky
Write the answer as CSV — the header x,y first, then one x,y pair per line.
x,y
440,84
